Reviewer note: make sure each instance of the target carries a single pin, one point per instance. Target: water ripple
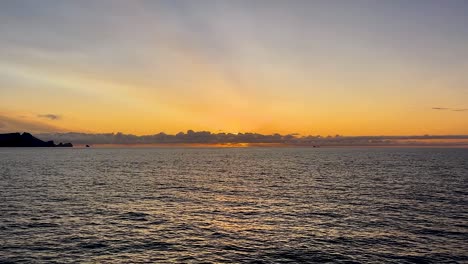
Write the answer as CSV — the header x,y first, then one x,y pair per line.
x,y
234,205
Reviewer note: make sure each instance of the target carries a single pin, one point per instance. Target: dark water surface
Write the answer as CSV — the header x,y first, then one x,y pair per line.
x,y
252,205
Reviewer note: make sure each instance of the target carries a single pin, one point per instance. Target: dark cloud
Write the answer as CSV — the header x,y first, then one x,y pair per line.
x,y
460,110
206,137
50,116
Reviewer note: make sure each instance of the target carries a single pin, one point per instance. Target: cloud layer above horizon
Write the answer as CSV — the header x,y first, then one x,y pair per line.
x,y
309,67
255,139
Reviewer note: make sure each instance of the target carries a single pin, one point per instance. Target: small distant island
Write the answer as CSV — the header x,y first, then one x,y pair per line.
x,y
27,140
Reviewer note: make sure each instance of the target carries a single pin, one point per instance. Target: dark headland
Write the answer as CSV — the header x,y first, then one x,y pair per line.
x,y
27,140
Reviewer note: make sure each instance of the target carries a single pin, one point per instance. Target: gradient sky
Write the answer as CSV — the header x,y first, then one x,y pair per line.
x,y
308,67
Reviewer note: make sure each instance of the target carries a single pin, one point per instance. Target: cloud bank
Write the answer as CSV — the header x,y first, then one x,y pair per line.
x,y
253,139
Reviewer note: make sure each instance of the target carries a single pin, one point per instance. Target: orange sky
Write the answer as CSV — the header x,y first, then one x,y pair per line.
x,y
307,68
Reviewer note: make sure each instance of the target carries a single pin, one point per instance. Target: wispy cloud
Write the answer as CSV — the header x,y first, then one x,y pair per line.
x,y
450,109
10,124
50,116
440,108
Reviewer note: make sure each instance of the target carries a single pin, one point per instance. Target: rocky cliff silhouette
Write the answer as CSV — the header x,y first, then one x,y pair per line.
x,y
27,140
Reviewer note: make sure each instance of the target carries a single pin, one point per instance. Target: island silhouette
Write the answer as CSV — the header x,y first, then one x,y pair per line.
x,y
27,140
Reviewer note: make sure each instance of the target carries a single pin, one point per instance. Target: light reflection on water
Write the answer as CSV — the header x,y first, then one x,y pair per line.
x,y
263,205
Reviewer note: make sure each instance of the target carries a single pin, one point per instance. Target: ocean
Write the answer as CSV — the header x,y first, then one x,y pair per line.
x,y
234,205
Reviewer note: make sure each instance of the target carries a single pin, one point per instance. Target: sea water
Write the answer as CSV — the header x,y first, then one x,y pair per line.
x,y
234,205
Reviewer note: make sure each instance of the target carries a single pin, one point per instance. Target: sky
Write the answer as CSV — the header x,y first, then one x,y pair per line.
x,y
307,67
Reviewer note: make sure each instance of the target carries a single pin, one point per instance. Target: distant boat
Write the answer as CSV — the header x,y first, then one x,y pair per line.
x,y
87,146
